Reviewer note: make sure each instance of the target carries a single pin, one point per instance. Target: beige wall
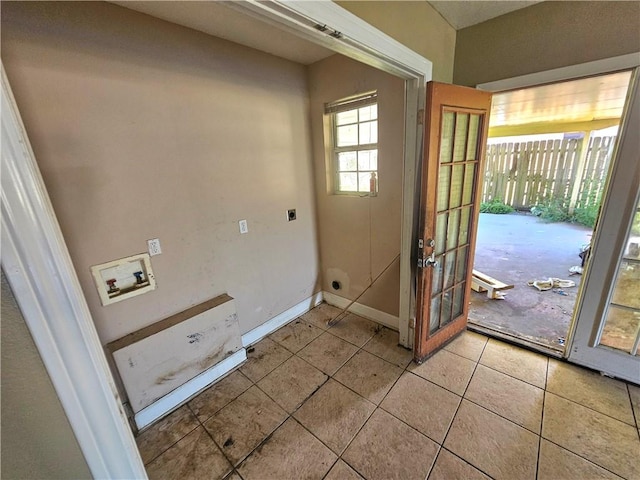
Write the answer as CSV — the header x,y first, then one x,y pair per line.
x,y
415,24
37,440
145,129
360,236
545,36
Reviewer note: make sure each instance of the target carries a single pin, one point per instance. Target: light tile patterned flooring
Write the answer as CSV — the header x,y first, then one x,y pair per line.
x,y
348,403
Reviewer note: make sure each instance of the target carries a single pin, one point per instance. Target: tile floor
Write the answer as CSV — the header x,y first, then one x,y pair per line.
x,y
348,403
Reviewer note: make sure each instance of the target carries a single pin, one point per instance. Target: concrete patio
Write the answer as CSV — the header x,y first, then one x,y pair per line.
x,y
515,249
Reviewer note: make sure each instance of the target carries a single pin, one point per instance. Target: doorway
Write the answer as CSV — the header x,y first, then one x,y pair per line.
x,y
548,157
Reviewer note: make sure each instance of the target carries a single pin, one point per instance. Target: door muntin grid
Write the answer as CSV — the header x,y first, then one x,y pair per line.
x,y
457,174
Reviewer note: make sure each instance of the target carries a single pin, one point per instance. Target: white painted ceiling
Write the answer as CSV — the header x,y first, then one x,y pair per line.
x,y
461,14
220,19
583,100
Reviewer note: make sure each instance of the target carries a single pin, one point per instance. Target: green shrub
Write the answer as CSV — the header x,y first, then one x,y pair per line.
x,y
496,206
554,211
551,211
586,216
635,226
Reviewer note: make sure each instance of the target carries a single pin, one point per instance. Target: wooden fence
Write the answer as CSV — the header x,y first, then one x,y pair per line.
x,y
529,173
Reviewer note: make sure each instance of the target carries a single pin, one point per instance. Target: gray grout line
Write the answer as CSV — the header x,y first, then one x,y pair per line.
x,y
544,395
583,458
460,403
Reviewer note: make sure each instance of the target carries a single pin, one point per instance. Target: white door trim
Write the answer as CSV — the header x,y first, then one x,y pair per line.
x,y
36,262
608,245
585,326
39,269
597,67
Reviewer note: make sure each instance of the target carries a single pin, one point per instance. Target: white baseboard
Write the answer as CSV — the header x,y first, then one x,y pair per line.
x,y
177,397
270,326
377,316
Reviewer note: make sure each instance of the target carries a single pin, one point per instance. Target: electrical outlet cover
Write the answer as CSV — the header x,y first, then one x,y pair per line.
x,y
244,228
154,247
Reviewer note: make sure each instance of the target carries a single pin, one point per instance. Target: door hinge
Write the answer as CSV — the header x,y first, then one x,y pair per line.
x,y
412,323
420,243
421,116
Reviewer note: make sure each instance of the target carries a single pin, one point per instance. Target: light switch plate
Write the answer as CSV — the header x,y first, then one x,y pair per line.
x,y
244,228
154,246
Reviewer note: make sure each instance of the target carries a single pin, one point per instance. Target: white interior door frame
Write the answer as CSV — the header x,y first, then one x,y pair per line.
x,y
39,269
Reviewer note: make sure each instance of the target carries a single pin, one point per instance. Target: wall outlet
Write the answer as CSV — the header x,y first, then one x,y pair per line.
x,y
154,247
244,228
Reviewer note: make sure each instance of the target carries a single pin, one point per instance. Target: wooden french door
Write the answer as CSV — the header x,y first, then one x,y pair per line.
x,y
456,125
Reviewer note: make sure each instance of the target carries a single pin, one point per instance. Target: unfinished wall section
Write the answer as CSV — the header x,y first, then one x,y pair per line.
x,y
360,235
144,129
545,36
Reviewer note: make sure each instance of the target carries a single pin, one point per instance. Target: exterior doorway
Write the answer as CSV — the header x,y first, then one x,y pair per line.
x,y
548,159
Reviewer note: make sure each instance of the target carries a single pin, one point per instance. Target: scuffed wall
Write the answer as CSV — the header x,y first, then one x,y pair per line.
x,y
144,129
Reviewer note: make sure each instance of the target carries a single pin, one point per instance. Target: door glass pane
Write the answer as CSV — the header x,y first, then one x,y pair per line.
x,y
445,314
449,269
467,192
441,226
436,284
621,328
434,320
474,130
458,300
465,223
446,137
627,289
457,180
452,229
461,267
460,140
443,188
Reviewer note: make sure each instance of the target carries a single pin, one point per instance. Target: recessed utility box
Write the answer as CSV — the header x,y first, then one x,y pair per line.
x,y
124,278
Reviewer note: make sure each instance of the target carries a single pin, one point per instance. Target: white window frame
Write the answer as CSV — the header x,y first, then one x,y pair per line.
x,y
331,111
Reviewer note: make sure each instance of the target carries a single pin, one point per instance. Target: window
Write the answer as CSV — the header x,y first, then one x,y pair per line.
x,y
354,144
